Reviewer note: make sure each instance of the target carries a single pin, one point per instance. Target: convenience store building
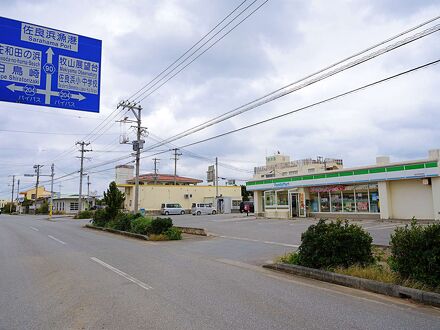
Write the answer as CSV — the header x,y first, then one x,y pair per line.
x,y
399,190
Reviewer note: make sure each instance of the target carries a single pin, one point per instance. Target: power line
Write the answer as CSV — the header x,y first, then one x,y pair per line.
x,y
41,132
212,45
187,51
316,103
288,89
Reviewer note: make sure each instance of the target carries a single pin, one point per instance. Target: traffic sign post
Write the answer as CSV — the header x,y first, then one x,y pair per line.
x,y
48,67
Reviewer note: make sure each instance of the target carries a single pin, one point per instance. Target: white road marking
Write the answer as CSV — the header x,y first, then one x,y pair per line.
x,y
121,273
257,241
33,228
56,239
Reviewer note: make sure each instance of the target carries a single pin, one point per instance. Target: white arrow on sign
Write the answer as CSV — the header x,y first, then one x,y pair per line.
x,y
48,92
49,53
14,88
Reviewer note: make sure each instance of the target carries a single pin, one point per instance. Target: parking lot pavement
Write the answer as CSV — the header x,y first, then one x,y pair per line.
x,y
280,231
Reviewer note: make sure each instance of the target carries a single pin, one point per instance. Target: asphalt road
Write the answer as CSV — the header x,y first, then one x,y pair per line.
x,y
58,275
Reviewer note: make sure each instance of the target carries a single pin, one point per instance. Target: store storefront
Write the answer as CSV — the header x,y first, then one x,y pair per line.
x,y
386,190
363,198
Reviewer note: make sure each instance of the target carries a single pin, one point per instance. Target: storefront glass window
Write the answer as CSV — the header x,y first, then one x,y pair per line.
x,y
361,201
336,201
324,201
348,201
314,202
374,201
282,198
269,198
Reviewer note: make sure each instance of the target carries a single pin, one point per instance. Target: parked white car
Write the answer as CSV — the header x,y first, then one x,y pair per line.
x,y
202,208
171,208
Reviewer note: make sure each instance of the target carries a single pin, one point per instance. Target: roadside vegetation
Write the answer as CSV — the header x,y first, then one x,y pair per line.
x,y
158,229
412,260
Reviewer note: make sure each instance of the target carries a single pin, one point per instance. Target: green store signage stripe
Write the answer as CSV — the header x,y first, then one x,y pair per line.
x,y
346,173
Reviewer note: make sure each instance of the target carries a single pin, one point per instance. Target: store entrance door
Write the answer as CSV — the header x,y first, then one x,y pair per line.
x,y
297,205
294,205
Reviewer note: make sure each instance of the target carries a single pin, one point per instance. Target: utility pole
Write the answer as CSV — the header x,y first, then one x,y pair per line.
x,y
137,145
88,190
37,174
52,174
176,157
12,194
216,177
37,171
156,161
82,150
18,191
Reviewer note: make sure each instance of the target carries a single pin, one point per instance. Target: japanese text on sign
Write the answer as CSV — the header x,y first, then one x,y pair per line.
x,y
49,37
78,75
20,64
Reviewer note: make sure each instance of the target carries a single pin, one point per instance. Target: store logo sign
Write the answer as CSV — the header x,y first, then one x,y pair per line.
x,y
281,184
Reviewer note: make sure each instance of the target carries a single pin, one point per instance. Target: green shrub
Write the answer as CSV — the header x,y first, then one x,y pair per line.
x,y
87,214
141,225
122,222
100,218
415,253
43,209
290,258
328,245
114,199
160,225
173,233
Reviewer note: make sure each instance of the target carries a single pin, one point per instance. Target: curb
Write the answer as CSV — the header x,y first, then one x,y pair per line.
x,y
119,232
393,290
192,231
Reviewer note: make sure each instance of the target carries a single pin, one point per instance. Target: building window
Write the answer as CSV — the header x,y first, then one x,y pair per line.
x,y
314,202
348,202
282,198
362,201
324,201
284,173
73,206
336,198
293,172
311,170
374,199
269,198
33,196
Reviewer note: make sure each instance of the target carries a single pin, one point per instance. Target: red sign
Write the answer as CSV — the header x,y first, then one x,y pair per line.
x,y
327,188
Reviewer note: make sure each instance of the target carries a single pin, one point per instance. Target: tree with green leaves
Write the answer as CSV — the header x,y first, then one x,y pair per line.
x,y
114,199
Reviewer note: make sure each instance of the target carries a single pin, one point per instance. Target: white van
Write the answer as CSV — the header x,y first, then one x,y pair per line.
x,y
202,208
171,208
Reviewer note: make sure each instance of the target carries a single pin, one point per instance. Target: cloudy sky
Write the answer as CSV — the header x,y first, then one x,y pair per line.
x,y
280,43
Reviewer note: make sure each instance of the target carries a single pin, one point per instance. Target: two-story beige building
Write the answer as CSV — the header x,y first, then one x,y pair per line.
x,y
158,189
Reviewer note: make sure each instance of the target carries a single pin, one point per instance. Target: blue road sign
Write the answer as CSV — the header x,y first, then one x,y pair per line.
x,y
48,67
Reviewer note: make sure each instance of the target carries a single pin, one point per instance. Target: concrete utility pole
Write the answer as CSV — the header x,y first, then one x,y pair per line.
x,y
18,191
216,177
176,157
52,174
12,194
37,171
156,161
137,145
88,190
82,150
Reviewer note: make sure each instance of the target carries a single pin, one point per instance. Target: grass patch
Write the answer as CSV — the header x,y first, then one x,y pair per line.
x,y
159,237
372,272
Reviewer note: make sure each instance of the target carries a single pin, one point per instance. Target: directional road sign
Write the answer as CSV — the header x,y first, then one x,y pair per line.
x,y
48,67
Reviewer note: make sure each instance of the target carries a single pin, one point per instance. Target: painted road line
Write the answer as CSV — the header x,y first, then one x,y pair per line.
x,y
56,239
33,228
121,273
257,241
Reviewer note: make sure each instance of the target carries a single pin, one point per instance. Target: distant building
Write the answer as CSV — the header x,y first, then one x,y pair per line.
x,y
158,189
281,166
3,202
30,194
399,190
68,204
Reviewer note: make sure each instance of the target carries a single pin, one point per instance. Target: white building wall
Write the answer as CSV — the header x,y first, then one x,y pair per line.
x,y
385,200
410,198
435,184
